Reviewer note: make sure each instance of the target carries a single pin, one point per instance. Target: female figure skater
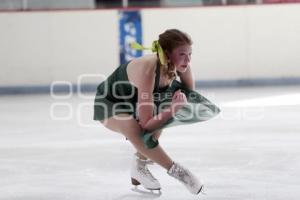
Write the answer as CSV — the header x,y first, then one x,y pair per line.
x,y
142,97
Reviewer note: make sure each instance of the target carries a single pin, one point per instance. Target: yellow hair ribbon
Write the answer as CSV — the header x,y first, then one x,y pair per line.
x,y
155,48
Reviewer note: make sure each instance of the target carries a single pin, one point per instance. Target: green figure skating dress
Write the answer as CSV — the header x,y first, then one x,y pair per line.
x,y
116,95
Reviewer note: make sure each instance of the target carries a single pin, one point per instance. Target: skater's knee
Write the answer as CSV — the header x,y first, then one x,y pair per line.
x,y
131,130
134,137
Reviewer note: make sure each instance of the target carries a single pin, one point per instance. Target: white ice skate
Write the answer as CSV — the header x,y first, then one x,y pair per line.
x,y
140,175
186,177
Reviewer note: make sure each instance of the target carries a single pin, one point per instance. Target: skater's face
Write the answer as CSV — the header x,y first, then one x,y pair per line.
x,y
181,57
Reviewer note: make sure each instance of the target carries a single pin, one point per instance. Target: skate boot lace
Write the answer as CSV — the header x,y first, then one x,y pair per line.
x,y
184,175
145,172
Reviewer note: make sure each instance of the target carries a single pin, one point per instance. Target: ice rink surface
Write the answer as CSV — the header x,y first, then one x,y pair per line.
x,y
50,149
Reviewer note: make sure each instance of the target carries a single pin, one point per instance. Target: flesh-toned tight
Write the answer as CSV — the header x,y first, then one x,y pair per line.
x,y
129,127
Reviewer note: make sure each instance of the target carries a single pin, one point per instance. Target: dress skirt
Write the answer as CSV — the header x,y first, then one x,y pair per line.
x,y
197,109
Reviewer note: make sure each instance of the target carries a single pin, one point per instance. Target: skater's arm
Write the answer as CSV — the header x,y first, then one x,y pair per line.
x,y
158,120
187,78
145,80
178,100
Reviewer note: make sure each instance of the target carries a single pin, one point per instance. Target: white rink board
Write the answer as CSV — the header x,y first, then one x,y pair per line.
x,y
230,43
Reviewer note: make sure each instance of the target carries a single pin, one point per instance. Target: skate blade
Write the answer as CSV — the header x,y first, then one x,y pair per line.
x,y
153,193
201,190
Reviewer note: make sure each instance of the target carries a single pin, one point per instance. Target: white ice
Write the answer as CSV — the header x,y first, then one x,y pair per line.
x,y
51,149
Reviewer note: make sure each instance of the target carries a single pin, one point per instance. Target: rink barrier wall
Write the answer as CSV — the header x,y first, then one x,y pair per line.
x,y
233,46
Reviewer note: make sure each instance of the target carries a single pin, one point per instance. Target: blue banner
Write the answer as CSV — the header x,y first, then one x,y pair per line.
x,y
130,29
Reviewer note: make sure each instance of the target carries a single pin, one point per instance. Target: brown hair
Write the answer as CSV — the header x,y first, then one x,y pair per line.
x,y
169,40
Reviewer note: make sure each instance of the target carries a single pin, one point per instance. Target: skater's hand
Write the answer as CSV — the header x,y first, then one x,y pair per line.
x,y
178,100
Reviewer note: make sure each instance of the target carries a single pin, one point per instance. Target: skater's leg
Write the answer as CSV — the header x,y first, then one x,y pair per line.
x,y
141,156
129,127
156,136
